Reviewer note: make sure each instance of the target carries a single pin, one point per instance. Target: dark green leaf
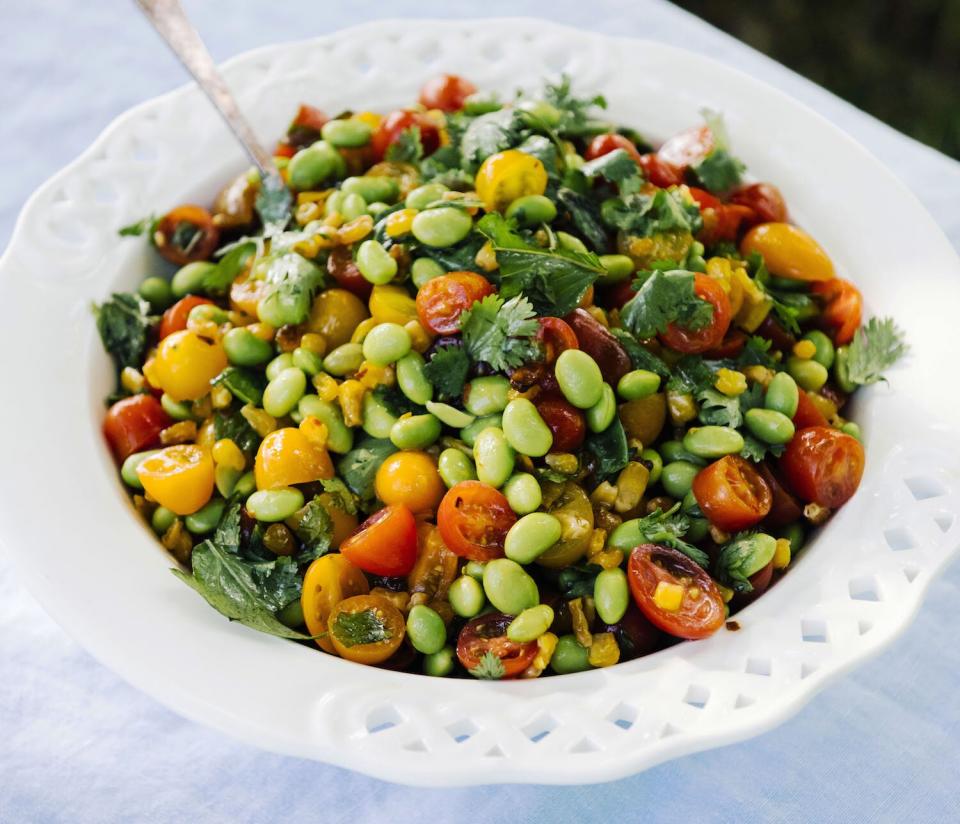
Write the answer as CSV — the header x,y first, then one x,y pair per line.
x,y
574,111
640,357
489,134
315,530
691,374
646,215
358,628
359,466
667,529
459,258
342,497
235,427
616,167
246,385
719,171
218,281
742,556
407,148
145,225
875,347
578,581
609,450
756,450
582,214
500,332
756,352
124,323
395,401
543,149
717,409
666,298
447,370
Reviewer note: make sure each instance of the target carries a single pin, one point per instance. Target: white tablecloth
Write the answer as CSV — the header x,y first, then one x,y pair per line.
x,y
79,745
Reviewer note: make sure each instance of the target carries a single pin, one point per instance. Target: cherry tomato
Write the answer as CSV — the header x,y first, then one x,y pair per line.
x,y
446,92
385,543
784,508
731,346
305,128
329,580
823,465
565,421
175,318
134,424
410,477
659,172
488,634
284,149
760,581
765,200
186,234
721,221
595,339
372,641
396,123
474,519
178,477
807,413
556,336
442,300
701,611
344,271
844,308
688,147
286,457
603,144
788,252
732,494
694,341
436,567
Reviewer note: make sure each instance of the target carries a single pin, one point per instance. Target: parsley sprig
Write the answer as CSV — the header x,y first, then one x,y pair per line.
x,y
500,333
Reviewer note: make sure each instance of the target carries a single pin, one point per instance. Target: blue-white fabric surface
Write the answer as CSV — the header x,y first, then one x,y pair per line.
x,y
79,745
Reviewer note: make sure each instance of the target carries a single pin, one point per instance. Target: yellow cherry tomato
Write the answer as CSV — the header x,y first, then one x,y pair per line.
x,y
186,363
392,628
329,580
410,478
335,313
788,252
392,304
505,176
178,477
287,457
246,292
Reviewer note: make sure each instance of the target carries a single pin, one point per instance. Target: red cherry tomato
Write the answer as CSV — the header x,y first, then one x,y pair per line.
x,y
760,581
694,341
731,346
395,123
844,308
603,144
732,494
133,424
175,318
385,543
555,336
595,339
446,92
721,221
765,200
474,519
186,234
344,271
565,421
305,128
701,611
807,413
659,172
284,149
442,300
823,465
688,147
488,634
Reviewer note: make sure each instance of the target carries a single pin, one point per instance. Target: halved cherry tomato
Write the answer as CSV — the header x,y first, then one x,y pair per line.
x,y
765,200
436,566
823,465
286,457
844,308
175,318
595,339
807,413
760,581
636,636
565,421
133,424
186,234
771,329
488,634
385,543
442,300
474,519
446,92
329,580
556,336
659,172
701,611
721,221
732,494
396,123
178,477
731,346
305,128
603,144
344,271
366,629
688,147
694,341
284,149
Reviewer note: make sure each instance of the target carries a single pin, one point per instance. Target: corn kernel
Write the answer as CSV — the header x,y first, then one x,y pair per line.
x,y
604,651
180,432
334,220
372,119
420,338
668,596
350,395
315,430
826,406
608,559
681,406
177,541
372,376
362,330
598,538
599,316
131,379
781,555
631,485
726,593
731,382
546,646
759,374
357,229
327,387
314,343
816,514
307,212
207,435
400,223
264,331
263,423
314,197
401,600
805,349
220,397
226,453
581,624
486,258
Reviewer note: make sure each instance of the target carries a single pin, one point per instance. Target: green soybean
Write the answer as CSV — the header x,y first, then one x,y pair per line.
x,y
343,360
157,292
307,361
481,103
128,471
698,529
375,263
469,433
569,656
677,478
782,395
546,113
488,395
616,268
439,664
530,624
841,370
749,554
626,536
652,457
386,343
415,431
493,456
426,630
245,486
611,595
442,227
346,133
795,535
352,206
769,425
508,587
333,203
243,348
825,353
601,414
225,479
423,196
162,519
525,430
675,451
311,166
450,415
412,378
377,208
424,269
206,312
455,467
531,536
274,505
378,421
278,364
339,435
284,391
189,279
474,569
466,596
579,378
809,374
852,429
177,410
640,383
206,518
523,493
531,210
372,188
572,243
712,441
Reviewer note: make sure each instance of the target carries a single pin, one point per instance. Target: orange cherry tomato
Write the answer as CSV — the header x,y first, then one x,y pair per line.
x,y
385,543
788,252
701,611
565,422
765,200
823,465
411,478
442,300
175,318
693,341
329,580
133,424
178,477
732,494
185,364
488,634
474,519
396,123
446,92
555,336
286,457
844,308
659,172
603,144
186,234
807,413
721,221
366,629
688,147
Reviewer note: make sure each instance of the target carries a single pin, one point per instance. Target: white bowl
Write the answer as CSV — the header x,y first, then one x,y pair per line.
x,y
102,575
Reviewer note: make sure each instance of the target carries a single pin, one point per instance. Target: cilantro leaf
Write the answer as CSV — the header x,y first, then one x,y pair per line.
x,y
875,347
666,529
407,148
294,280
218,281
359,466
640,357
609,449
315,530
691,374
582,214
489,134
663,299
235,427
246,385
718,409
459,258
490,668
447,371
543,149
139,227
578,581
342,497
616,167
124,323
500,333
273,204
646,215
756,450
364,627
742,556
574,111
719,171
756,352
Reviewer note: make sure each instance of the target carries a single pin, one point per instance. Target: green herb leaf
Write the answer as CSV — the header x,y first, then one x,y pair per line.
x,y
609,449
343,498
756,450
580,212
719,171
245,384
235,427
500,332
273,204
218,281
578,581
875,347
364,627
691,374
407,148
144,225
395,401
667,529
616,167
489,134
640,357
124,323
742,556
294,281
574,111
756,352
315,530
544,150
359,466
447,370
646,215
490,668
717,409
663,299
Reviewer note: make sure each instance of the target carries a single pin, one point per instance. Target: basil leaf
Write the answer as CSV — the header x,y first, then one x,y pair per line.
x,y
124,323
244,384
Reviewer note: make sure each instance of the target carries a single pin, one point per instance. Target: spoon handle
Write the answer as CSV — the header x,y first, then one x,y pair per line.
x,y
170,20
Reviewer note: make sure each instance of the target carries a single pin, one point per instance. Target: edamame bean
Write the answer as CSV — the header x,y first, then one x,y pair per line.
x,y
189,279
481,103
617,268
245,486
748,554
225,479
579,377
423,196
352,206
157,292
339,435
852,429
525,430
569,656
677,478
466,596
486,396
177,410
652,457
698,529
344,360
782,394
626,536
378,421
206,313
274,505
440,663
455,467
541,110
825,353
372,188
795,535
375,263
424,269
601,414
640,383
531,536
809,374
377,208
386,343
712,441
415,431
346,133
284,391
162,519
243,348
493,456
309,167
530,624
508,587
307,361
611,595
474,569
412,378
333,203
531,210
426,630
674,451
769,425
572,243
442,227
128,471
278,364
206,518
450,415
841,370
523,493
469,433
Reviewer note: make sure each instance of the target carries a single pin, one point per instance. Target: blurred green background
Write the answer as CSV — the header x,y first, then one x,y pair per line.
x,y
897,59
